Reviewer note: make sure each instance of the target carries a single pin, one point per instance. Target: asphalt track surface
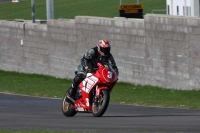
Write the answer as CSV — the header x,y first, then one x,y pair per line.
x,y
34,113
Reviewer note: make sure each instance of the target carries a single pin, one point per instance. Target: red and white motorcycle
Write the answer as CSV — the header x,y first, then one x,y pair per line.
x,y
93,93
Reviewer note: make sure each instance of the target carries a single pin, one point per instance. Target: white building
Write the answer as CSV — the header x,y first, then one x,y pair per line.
x,y
183,7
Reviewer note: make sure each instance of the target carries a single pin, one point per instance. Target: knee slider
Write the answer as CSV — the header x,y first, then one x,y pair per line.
x,y
78,79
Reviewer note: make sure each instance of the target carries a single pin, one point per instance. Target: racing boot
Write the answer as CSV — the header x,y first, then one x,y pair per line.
x,y
73,89
71,94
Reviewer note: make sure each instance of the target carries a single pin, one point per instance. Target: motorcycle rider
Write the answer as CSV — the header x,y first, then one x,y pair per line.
x,y
100,53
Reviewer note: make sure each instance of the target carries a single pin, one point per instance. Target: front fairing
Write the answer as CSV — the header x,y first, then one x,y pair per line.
x,y
86,87
106,75
103,78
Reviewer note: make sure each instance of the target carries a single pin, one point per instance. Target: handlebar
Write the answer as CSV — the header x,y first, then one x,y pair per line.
x,y
99,65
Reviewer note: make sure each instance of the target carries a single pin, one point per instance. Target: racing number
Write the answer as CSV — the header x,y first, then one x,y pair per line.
x,y
87,102
109,74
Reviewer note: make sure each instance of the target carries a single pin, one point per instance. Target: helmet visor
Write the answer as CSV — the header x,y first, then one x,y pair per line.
x,y
106,51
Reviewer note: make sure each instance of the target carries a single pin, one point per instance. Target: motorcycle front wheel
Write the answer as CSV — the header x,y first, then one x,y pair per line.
x,y
67,108
103,101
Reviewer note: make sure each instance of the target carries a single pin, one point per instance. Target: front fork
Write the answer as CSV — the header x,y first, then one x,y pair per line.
x,y
97,95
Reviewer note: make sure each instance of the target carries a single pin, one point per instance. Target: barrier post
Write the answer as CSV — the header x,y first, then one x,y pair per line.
x,y
15,0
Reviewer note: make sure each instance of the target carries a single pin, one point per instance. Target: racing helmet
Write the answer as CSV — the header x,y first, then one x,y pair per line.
x,y
104,47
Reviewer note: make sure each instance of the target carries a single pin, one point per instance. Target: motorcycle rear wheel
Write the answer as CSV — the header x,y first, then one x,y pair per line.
x,y
67,108
99,110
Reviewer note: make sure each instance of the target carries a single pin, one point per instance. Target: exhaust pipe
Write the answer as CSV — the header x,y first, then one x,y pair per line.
x,y
69,99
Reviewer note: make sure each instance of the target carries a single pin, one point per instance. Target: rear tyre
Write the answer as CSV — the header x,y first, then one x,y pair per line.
x,y
99,109
67,108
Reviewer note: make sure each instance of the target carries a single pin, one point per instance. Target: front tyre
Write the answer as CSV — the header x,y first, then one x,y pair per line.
x,y
67,108
103,101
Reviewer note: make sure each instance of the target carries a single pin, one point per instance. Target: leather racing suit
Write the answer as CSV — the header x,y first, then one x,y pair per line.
x,y
88,63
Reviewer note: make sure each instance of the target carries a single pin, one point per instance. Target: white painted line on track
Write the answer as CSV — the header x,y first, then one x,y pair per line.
x,y
28,95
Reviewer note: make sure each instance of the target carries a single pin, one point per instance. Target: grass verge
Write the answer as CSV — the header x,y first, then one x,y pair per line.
x,y
70,8
124,93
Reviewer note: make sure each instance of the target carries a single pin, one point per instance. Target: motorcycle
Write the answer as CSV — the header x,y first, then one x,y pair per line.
x,y
93,93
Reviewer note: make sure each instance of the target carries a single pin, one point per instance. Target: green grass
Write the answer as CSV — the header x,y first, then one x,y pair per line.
x,y
155,96
46,86
33,84
70,8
